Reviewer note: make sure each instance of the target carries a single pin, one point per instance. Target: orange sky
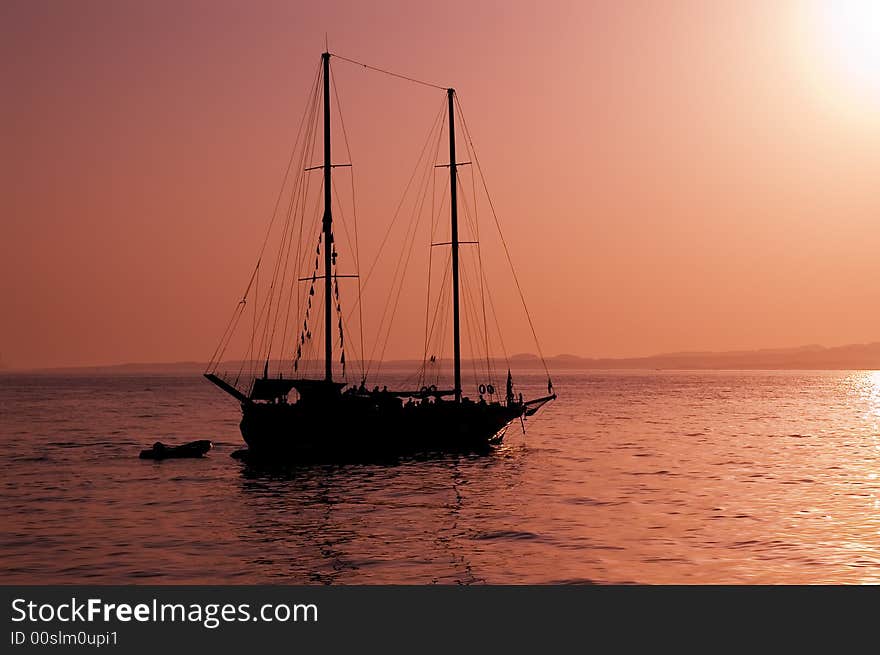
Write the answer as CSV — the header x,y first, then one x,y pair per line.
x,y
671,175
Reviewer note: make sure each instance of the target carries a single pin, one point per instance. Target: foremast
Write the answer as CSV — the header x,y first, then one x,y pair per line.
x,y
328,226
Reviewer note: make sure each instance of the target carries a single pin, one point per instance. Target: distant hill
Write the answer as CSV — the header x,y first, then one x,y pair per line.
x,y
811,357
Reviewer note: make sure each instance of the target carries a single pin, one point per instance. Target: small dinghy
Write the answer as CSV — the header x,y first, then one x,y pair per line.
x,y
191,449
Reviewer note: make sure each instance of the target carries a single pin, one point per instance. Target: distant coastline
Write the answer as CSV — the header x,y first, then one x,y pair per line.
x,y
854,356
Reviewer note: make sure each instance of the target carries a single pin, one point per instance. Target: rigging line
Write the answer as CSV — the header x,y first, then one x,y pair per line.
x,y
432,319
289,163
234,326
284,248
437,118
410,237
314,345
215,359
435,219
421,196
478,333
279,274
311,293
444,321
296,211
420,199
484,284
387,72
357,254
253,332
293,283
418,166
430,271
264,322
307,343
469,327
485,316
472,221
348,236
341,328
352,347
307,154
262,317
214,366
440,209
441,307
342,215
214,356
262,352
441,313
301,206
283,183
501,235
238,308
316,213
291,216
480,262
474,317
440,298
497,321
428,294
430,261
303,253
467,213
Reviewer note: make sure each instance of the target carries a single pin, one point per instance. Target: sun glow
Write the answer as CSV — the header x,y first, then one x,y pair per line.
x,y
851,31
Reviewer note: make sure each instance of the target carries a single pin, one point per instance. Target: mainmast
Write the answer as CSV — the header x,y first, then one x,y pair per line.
x,y
453,171
328,233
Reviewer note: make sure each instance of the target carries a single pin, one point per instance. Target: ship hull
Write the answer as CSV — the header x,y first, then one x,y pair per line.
x,y
351,427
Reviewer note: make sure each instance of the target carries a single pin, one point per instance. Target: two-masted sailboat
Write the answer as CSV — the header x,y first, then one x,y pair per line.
x,y
304,417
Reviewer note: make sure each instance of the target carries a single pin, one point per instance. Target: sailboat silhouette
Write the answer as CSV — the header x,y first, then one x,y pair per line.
x,y
330,419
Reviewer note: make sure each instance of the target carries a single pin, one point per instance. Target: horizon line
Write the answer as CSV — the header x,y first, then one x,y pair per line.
x,y
519,357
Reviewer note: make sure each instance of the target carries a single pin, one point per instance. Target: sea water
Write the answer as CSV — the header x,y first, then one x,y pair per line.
x,y
630,476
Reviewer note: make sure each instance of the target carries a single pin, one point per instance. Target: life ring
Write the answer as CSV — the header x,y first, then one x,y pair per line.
x,y
490,389
482,388
423,391
433,388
